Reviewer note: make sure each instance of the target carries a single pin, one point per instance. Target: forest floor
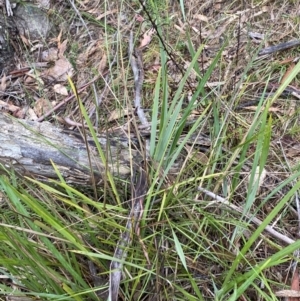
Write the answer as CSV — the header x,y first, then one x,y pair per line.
x,y
223,227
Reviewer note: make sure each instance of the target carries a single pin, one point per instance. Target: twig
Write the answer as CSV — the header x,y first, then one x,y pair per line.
x,y
279,47
255,220
138,72
138,184
139,188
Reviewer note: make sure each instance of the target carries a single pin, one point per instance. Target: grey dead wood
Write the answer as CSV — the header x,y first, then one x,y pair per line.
x,y
29,147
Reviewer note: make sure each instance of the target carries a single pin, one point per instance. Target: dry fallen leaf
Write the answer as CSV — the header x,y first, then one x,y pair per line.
x,y
60,71
24,40
8,107
117,114
147,38
58,39
32,77
30,114
295,286
92,50
49,55
60,89
196,155
102,64
42,106
200,17
21,114
288,72
62,48
154,67
139,18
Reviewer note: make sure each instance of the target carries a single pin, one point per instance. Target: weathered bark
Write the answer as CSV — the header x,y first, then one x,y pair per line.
x,y
29,147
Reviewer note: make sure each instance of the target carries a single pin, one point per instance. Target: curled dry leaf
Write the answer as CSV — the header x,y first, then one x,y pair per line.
x,y
31,114
147,38
117,114
154,67
24,40
102,64
62,48
139,18
57,40
3,83
60,89
200,17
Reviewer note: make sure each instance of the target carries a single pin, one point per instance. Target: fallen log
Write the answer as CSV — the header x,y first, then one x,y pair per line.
x,y
28,148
